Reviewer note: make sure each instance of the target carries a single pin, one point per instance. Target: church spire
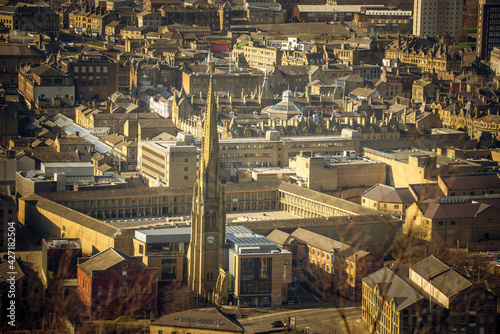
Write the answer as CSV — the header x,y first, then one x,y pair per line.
x,y
209,170
208,216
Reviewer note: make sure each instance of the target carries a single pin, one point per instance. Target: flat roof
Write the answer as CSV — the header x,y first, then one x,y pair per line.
x,y
243,241
234,217
164,146
66,164
150,222
161,235
63,243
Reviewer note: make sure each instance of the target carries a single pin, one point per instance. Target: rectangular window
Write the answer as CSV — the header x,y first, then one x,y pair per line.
x,y
99,290
168,268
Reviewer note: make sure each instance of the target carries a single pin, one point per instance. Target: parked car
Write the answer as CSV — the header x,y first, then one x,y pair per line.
x,y
277,323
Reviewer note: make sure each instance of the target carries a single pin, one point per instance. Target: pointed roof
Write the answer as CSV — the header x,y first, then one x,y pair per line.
x,y
105,260
383,193
209,168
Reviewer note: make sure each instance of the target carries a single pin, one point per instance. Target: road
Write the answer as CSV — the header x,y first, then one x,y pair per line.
x,y
317,320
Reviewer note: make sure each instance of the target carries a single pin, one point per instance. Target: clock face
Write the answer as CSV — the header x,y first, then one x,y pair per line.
x,y
210,239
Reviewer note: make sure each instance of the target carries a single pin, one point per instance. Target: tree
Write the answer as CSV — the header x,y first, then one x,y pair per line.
x,y
177,298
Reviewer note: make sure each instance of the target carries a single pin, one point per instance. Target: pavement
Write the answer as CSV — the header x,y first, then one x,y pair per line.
x,y
355,325
324,320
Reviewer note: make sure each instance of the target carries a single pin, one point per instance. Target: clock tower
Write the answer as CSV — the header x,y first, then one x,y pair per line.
x,y
208,216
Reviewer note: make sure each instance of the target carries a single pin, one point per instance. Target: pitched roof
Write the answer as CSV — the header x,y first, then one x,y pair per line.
x,y
424,191
67,213
105,260
471,182
209,319
438,210
46,70
277,236
318,241
442,277
383,193
403,293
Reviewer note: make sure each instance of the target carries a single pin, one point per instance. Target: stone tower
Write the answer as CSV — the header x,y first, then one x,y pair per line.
x,y
208,217
266,96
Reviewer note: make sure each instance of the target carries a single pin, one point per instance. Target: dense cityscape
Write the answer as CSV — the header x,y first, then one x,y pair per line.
x,y
234,166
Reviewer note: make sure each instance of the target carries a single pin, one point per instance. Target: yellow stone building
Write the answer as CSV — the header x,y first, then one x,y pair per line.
x,y
427,54
469,119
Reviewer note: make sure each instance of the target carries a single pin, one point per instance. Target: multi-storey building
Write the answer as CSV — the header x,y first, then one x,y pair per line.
x,y
91,21
44,81
437,18
472,120
455,220
261,57
384,20
384,198
33,18
488,27
259,270
165,249
264,13
112,282
167,164
427,54
323,13
150,19
428,296
203,14
11,57
195,81
415,166
95,75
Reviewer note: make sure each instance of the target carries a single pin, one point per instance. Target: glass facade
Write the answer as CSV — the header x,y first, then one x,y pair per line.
x,y
255,276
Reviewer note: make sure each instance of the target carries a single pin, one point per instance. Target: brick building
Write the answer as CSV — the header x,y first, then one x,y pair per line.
x,y
111,283
94,74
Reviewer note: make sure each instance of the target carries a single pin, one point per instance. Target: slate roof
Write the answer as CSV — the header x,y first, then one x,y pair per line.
x,y
202,319
471,182
437,210
46,70
318,240
424,191
402,292
67,213
105,260
442,277
383,193
156,123
370,232
277,236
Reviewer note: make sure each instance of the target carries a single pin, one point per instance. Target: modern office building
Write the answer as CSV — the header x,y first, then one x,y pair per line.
x,y
488,27
259,269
